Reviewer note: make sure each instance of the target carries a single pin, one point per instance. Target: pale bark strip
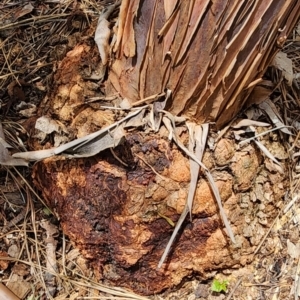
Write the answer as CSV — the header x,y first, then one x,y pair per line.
x,y
51,263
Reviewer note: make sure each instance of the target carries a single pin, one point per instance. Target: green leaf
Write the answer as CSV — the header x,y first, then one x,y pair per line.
x,y
167,219
47,211
219,286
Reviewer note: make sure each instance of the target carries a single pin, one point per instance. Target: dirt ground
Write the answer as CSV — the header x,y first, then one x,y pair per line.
x,y
38,261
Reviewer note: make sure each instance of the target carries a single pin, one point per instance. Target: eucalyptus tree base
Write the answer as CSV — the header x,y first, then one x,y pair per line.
x,y
119,207
120,217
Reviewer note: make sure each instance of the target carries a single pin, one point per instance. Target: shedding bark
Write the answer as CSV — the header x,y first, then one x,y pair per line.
x,y
208,53
203,58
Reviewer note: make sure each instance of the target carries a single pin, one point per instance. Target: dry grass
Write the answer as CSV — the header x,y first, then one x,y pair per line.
x,y
33,39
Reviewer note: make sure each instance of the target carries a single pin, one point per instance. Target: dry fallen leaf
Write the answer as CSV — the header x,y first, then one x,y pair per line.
x,y
26,9
270,109
13,251
47,125
285,64
102,33
248,122
198,136
86,146
3,263
293,250
5,158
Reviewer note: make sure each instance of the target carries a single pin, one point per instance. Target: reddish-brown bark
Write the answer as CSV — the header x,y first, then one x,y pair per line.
x,y
117,216
208,53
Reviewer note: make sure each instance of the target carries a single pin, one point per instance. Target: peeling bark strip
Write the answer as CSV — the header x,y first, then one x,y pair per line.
x,y
206,52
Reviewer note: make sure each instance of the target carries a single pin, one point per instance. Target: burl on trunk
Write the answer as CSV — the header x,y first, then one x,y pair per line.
x,y
121,217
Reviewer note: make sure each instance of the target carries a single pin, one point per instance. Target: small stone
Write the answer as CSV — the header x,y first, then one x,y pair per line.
x,y
202,291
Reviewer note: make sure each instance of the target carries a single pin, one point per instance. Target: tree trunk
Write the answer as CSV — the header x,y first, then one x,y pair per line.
x,y
208,53
119,207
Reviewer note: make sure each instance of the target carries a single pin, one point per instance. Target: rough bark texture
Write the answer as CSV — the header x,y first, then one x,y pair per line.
x,y
118,216
208,53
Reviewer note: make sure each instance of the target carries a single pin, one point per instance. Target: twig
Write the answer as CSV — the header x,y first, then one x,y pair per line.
x,y
37,19
262,133
148,100
117,158
9,66
234,289
84,281
153,170
267,233
16,219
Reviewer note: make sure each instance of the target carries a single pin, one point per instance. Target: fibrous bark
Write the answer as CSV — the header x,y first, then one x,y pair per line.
x,y
120,216
208,53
